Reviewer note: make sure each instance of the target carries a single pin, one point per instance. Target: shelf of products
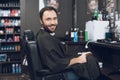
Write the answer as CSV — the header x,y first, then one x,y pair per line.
x,y
10,32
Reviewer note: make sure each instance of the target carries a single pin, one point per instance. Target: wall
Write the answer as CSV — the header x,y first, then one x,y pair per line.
x,y
29,15
81,13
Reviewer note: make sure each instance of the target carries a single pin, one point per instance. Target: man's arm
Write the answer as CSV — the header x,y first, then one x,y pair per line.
x,y
79,59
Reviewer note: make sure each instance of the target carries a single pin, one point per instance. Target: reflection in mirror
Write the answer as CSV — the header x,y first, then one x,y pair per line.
x,y
53,3
110,6
41,4
92,5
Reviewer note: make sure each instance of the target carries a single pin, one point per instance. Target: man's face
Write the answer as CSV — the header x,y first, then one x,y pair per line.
x,y
50,20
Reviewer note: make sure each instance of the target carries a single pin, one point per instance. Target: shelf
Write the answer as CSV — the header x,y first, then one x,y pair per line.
x,y
10,42
10,74
14,33
10,33
14,17
11,62
10,7
7,52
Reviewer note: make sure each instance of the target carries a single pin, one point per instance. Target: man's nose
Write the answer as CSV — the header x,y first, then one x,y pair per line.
x,y
53,21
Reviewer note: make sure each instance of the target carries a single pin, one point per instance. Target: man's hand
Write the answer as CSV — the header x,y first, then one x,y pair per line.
x,y
82,57
87,53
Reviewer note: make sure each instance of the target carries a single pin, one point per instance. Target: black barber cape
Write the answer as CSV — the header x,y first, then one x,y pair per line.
x,y
52,51
55,58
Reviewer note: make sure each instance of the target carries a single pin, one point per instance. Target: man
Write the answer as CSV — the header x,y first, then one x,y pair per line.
x,y
53,54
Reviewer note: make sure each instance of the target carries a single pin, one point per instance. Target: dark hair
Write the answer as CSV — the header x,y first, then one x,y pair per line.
x,y
47,8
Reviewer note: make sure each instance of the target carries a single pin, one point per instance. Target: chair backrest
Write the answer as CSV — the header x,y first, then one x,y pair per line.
x,y
27,36
37,72
34,62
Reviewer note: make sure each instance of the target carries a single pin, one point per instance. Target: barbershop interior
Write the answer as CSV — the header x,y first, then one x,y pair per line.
x,y
59,39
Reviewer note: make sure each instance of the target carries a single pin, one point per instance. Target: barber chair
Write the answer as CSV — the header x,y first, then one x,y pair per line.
x,y
37,71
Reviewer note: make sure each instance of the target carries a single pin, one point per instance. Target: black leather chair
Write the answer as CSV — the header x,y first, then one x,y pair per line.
x,y
37,71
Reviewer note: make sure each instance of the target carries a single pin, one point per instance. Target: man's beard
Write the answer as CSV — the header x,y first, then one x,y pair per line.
x,y
47,29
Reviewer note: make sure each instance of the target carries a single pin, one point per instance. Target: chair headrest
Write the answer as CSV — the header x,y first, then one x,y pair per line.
x,y
29,35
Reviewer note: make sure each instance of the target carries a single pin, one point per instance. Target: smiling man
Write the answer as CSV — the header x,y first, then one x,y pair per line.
x,y
53,54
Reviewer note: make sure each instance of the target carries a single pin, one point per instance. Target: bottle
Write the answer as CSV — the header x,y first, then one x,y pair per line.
x,y
75,39
17,68
100,16
13,68
81,36
86,35
72,33
96,14
116,15
67,35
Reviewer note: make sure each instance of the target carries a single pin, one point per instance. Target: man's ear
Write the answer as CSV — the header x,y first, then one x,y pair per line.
x,y
41,21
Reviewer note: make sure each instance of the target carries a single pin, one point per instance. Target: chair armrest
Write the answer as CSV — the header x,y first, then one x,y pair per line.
x,y
43,72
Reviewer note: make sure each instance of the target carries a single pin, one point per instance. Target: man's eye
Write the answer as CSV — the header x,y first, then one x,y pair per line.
x,y
55,18
48,19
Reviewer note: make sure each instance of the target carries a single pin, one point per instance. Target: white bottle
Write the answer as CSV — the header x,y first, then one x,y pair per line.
x,y
100,16
13,68
72,33
116,16
17,68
